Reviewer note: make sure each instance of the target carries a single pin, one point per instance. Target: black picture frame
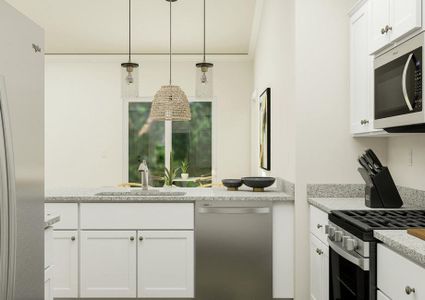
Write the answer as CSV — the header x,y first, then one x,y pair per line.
x,y
265,129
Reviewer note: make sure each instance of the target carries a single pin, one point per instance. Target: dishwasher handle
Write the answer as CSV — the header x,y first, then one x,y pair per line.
x,y
234,210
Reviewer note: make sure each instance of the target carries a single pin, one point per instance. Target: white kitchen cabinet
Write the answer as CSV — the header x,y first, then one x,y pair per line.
x,y
361,71
398,277
165,264
319,269
381,296
48,288
392,20
108,264
65,261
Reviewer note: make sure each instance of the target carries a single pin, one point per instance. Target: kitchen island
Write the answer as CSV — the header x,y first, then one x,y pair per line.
x,y
129,243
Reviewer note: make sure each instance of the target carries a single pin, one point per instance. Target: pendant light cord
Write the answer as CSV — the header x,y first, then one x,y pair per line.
x,y
204,30
129,30
170,40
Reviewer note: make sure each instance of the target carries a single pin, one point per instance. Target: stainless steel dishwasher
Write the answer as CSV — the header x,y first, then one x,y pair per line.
x,y
233,250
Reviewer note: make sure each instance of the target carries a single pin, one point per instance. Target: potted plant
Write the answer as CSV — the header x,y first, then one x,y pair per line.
x,y
185,167
170,174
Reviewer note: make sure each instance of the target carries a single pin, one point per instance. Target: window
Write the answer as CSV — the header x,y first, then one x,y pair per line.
x,y
153,141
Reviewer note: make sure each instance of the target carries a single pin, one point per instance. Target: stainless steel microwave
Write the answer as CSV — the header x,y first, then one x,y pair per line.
x,y
398,86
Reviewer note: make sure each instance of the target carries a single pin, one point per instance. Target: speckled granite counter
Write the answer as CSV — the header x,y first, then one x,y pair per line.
x,y
329,204
191,195
50,220
403,243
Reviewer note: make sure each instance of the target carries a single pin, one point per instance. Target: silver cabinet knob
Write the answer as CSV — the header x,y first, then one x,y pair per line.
x,y
318,251
140,238
132,238
388,28
351,244
409,290
72,238
383,31
319,226
338,236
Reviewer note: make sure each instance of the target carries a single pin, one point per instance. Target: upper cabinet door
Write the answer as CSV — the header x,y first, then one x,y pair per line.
x,y
165,264
405,16
379,20
108,264
361,72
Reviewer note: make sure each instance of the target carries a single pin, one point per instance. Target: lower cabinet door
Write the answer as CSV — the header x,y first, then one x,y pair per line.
x,y
65,262
319,269
108,264
48,289
165,264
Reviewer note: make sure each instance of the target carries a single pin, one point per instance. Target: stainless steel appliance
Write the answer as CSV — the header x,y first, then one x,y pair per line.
x,y
398,87
21,157
353,249
233,250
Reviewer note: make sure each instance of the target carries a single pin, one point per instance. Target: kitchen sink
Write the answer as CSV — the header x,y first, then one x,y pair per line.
x,y
148,193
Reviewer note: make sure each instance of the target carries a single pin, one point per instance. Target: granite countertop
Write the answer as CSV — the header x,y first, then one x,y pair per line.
x,y
329,204
191,195
403,243
50,219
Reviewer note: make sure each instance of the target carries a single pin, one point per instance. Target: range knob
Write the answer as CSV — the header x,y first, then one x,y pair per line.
x,y
331,232
338,236
344,240
351,244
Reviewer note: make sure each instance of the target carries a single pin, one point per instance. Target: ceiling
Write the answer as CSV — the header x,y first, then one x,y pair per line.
x,y
101,26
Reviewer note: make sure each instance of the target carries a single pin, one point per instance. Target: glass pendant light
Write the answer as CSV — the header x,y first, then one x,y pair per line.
x,y
170,103
129,70
204,74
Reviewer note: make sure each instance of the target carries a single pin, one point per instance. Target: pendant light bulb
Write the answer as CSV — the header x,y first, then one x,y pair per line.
x,y
204,72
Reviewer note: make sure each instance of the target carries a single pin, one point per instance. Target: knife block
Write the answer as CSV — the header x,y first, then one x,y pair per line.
x,y
380,190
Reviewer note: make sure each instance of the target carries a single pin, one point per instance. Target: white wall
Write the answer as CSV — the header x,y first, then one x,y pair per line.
x,y
274,68
326,152
83,114
406,160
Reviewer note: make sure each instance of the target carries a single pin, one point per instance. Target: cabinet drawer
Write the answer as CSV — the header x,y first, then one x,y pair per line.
x,y
68,213
318,220
396,273
137,216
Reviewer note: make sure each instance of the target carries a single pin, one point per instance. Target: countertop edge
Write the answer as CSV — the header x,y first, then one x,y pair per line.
x,y
407,248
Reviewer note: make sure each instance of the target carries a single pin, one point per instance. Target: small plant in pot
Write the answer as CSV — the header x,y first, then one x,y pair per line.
x,y
185,168
170,174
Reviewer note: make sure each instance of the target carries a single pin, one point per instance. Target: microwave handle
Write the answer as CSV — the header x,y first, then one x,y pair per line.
x,y
403,83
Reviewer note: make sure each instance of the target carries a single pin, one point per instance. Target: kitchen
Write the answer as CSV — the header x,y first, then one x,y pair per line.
x,y
108,238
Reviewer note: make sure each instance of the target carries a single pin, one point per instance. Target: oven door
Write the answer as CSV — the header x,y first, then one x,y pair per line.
x,y
349,274
398,85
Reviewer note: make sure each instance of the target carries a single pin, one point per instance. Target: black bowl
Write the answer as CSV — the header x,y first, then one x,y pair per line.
x,y
232,184
258,183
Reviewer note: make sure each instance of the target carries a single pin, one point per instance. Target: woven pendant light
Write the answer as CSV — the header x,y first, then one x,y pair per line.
x,y
170,103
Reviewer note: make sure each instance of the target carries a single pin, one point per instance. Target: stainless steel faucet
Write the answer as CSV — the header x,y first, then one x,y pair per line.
x,y
144,175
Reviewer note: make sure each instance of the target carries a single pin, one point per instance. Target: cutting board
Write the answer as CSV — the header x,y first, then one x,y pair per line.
x,y
417,232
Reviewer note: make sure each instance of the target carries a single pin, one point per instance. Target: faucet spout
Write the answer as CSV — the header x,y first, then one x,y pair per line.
x,y
144,175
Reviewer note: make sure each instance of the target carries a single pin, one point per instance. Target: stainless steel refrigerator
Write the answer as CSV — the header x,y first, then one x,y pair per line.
x,y
21,156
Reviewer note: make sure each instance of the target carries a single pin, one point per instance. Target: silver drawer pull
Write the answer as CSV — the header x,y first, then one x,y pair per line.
x,y
409,290
140,238
319,226
132,238
72,238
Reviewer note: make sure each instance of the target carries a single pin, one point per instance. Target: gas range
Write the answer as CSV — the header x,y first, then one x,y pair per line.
x,y
353,249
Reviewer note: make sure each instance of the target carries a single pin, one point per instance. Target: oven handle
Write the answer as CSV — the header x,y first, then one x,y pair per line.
x,y
362,263
403,82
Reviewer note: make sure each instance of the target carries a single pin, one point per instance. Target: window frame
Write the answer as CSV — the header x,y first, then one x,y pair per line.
x,y
167,135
